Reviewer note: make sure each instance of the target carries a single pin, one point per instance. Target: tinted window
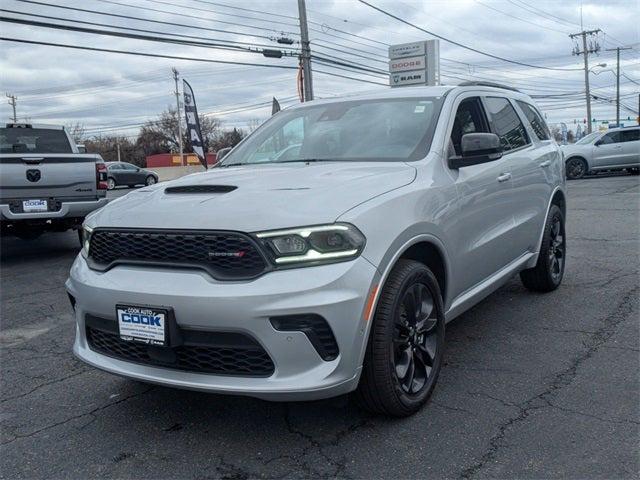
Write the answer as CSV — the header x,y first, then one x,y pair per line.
x,y
536,121
34,140
470,118
631,135
115,166
364,130
506,123
612,137
128,166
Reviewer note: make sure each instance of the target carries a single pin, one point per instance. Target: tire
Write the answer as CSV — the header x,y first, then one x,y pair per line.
x,y
394,341
111,183
547,275
151,180
576,167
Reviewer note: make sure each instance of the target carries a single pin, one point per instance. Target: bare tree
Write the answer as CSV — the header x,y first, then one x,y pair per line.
x,y
253,124
77,131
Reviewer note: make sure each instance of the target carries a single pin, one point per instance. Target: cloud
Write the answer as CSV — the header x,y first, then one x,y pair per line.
x,y
115,92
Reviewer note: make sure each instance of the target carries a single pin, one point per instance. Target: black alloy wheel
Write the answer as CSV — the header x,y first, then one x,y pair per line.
x,y
556,253
406,343
415,341
549,270
576,168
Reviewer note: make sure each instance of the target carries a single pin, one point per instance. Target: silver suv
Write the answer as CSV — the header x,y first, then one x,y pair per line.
x,y
615,149
336,270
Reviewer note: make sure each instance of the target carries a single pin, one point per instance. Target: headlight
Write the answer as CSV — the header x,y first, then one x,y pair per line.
x,y
317,244
86,239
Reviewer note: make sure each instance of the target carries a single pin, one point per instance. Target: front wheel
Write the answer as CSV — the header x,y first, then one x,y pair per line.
x,y
151,180
406,343
548,272
576,168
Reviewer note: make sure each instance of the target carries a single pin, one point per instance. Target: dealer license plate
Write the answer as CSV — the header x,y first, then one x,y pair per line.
x,y
142,324
29,206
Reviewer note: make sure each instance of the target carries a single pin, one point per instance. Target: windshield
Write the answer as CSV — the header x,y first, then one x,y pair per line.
x,y
366,130
588,139
34,140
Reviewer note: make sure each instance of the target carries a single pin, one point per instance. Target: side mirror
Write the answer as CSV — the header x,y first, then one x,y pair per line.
x,y
477,148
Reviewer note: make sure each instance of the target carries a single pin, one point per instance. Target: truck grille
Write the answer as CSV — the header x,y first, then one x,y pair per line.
x,y
219,353
225,255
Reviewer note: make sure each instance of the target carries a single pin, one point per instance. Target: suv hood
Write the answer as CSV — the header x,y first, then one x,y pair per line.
x,y
266,196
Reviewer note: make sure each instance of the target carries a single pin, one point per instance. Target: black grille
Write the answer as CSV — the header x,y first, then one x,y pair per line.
x,y
315,328
220,353
225,255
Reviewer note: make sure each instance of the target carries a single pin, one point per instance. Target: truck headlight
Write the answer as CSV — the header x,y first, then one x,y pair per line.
x,y
86,240
316,244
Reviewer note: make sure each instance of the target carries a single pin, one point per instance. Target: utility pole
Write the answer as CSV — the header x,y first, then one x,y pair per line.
x,y
13,100
118,148
617,49
175,78
306,52
593,48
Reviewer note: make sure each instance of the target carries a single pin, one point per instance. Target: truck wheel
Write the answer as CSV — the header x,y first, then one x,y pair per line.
x,y
548,272
151,180
111,183
406,343
576,168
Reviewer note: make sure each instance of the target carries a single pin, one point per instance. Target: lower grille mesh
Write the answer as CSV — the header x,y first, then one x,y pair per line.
x,y
249,359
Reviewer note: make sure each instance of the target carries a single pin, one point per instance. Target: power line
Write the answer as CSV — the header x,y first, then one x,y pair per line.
x,y
143,54
98,24
256,27
460,44
112,33
520,19
141,19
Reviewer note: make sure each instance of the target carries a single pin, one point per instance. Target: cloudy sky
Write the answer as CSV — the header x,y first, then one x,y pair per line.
x,y
113,93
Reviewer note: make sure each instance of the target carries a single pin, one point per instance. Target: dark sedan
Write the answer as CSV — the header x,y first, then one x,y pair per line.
x,y
122,173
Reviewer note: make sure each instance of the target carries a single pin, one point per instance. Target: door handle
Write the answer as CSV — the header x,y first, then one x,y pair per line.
x,y
545,164
504,177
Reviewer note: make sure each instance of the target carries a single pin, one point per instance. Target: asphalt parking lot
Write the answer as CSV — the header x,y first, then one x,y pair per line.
x,y
534,386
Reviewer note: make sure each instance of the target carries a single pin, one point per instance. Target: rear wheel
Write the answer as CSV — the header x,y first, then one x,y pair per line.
x,y
548,272
151,180
406,343
111,183
576,168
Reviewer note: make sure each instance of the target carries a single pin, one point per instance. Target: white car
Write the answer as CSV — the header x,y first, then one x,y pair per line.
x,y
336,269
615,149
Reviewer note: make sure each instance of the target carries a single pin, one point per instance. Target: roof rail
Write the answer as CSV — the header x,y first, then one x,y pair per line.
x,y
487,84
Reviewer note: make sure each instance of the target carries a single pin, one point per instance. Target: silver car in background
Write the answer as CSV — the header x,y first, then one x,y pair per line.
x,y
615,149
334,271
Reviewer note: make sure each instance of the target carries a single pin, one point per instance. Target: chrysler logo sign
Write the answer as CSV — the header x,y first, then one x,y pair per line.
x,y
33,175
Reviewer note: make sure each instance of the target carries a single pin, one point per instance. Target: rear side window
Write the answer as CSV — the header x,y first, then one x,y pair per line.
x,y
506,123
612,137
535,119
34,140
631,135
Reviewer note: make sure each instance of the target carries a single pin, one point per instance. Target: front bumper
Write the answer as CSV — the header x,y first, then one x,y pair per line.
x,y
67,209
337,292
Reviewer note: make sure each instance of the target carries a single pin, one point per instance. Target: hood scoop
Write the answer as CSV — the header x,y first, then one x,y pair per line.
x,y
200,189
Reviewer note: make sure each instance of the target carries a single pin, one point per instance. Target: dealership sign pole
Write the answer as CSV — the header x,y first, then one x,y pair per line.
x,y
416,63
193,123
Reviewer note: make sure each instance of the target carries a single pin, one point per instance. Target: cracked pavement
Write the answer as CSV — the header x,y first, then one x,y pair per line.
x,y
534,386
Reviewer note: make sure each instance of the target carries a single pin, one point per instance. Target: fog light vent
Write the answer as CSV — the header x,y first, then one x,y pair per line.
x,y
315,328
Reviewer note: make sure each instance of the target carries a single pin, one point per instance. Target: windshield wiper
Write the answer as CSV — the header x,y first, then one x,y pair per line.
x,y
307,160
